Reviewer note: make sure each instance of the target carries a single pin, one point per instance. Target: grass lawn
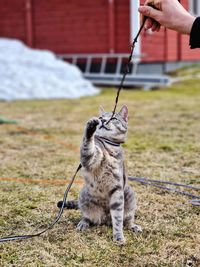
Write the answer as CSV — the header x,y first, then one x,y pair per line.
x,y
38,153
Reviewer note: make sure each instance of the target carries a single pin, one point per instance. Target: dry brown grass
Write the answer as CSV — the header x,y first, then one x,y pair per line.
x,y
163,143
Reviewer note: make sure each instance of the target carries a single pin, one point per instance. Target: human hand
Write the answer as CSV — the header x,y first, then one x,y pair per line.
x,y
168,13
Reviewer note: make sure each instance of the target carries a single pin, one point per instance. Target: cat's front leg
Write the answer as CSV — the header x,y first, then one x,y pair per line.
x,y
117,213
91,155
129,210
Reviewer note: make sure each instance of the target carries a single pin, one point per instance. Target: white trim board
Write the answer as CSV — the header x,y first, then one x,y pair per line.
x,y
135,24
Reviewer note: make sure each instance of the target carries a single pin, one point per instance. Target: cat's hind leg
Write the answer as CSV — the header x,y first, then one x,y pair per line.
x,y
93,212
129,210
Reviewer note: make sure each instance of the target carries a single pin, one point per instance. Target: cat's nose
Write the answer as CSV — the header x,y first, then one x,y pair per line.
x,y
103,121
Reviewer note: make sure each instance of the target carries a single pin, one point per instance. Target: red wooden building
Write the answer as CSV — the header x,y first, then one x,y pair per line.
x,y
100,26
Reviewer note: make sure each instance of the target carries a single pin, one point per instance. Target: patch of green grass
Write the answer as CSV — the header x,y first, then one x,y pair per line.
x,y
163,143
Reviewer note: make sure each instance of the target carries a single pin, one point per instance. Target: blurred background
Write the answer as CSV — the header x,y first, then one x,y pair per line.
x,y
101,26
96,36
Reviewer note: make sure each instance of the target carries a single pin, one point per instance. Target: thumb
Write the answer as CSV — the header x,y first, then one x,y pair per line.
x,y
150,12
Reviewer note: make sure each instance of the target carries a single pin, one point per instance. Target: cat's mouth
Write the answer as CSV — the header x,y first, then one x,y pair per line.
x,y
104,127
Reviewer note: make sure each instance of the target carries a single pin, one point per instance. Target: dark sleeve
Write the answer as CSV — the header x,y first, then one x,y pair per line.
x,y
195,34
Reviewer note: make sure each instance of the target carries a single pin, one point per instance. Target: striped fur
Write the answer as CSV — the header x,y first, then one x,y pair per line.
x,y
106,198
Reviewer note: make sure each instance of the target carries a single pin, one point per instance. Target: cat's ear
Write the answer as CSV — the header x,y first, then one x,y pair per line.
x,y
124,113
101,111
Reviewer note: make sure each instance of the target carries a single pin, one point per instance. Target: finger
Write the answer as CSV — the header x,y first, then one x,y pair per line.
x,y
150,12
148,24
158,27
154,26
153,3
149,2
157,4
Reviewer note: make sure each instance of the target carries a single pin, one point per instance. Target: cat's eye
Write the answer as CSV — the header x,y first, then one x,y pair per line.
x,y
114,119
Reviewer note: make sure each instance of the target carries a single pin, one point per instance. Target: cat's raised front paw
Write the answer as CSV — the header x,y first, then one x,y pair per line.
x,y
91,126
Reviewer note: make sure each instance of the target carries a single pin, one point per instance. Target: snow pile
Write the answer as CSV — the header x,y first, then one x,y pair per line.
x,y
36,74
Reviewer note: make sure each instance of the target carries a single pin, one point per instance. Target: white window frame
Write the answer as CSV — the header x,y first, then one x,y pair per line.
x,y
192,4
135,24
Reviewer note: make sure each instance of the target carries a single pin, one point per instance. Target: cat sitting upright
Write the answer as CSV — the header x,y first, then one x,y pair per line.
x,y
106,197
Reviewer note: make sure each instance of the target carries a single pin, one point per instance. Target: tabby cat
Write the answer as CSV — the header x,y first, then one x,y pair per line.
x,y
106,197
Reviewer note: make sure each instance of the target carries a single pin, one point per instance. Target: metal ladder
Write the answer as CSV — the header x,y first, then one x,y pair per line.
x,y
106,78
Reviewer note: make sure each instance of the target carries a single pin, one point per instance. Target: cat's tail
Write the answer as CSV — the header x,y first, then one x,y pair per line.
x,y
70,205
